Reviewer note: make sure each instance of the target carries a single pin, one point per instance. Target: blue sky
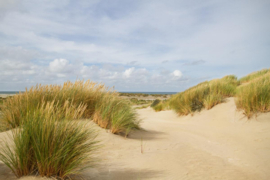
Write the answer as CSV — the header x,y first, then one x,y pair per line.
x,y
142,45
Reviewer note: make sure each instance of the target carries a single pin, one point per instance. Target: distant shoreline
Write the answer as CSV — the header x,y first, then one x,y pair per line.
x,y
17,92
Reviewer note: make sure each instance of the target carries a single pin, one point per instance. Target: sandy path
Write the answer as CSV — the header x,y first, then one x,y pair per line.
x,y
215,144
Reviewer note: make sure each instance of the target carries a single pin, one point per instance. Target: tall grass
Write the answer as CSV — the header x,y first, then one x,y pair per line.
x,y
91,94
159,105
49,144
204,95
255,96
115,114
253,75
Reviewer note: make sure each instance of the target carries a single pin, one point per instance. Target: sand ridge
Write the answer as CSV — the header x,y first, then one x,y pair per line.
x,y
216,144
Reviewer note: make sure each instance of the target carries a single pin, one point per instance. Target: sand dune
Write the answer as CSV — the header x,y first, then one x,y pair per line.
x,y
216,144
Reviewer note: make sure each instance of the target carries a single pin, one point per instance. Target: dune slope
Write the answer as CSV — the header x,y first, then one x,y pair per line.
x,y
216,144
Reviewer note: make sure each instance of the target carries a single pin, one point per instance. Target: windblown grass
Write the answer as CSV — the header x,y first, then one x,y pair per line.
x,y
91,94
115,114
255,96
159,105
253,75
49,144
206,94
212,100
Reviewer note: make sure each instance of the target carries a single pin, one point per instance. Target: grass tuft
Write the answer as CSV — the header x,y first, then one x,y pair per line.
x,y
49,144
254,97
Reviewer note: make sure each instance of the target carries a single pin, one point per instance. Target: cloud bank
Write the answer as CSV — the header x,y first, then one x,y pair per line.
x,y
132,45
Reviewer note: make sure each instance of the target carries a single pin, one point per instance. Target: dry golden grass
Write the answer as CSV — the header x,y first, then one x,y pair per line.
x,y
96,97
254,97
253,75
206,94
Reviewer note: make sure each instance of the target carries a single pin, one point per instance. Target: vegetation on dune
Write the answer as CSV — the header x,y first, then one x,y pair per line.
x,y
253,75
135,101
143,95
255,96
204,95
49,144
1,101
155,102
142,107
96,97
115,114
159,105
251,94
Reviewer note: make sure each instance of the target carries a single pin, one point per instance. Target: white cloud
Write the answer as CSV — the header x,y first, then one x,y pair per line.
x,y
127,43
177,73
59,65
128,72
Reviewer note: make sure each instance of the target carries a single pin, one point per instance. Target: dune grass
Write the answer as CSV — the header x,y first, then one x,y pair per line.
x,y
135,101
48,143
159,105
115,114
255,96
143,106
90,94
204,95
253,75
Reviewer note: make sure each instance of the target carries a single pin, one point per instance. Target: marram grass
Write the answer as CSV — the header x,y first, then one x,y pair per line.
x,y
204,95
159,105
90,94
253,75
115,114
49,146
254,97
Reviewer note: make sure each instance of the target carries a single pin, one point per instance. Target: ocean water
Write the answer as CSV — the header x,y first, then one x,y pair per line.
x,y
10,92
16,92
151,92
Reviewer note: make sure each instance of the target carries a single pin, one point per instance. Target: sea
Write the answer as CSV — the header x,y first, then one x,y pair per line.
x,y
150,92
16,92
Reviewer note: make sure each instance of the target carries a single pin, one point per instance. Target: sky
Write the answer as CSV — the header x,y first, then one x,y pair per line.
x,y
131,45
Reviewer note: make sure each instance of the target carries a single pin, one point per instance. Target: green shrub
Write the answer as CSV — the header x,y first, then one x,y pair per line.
x,y
157,101
49,146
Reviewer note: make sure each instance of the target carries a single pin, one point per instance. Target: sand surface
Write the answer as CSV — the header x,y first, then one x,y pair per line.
x,y
216,144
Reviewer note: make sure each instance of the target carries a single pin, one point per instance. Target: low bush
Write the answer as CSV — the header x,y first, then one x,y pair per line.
x,y
155,102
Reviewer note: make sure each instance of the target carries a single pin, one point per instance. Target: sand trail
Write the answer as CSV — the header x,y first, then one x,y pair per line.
x,y
216,144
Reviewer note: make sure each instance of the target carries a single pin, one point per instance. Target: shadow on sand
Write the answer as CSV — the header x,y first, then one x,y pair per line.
x,y
146,135
6,173
121,174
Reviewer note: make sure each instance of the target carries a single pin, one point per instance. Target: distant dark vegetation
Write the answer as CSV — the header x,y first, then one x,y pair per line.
x,y
143,95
